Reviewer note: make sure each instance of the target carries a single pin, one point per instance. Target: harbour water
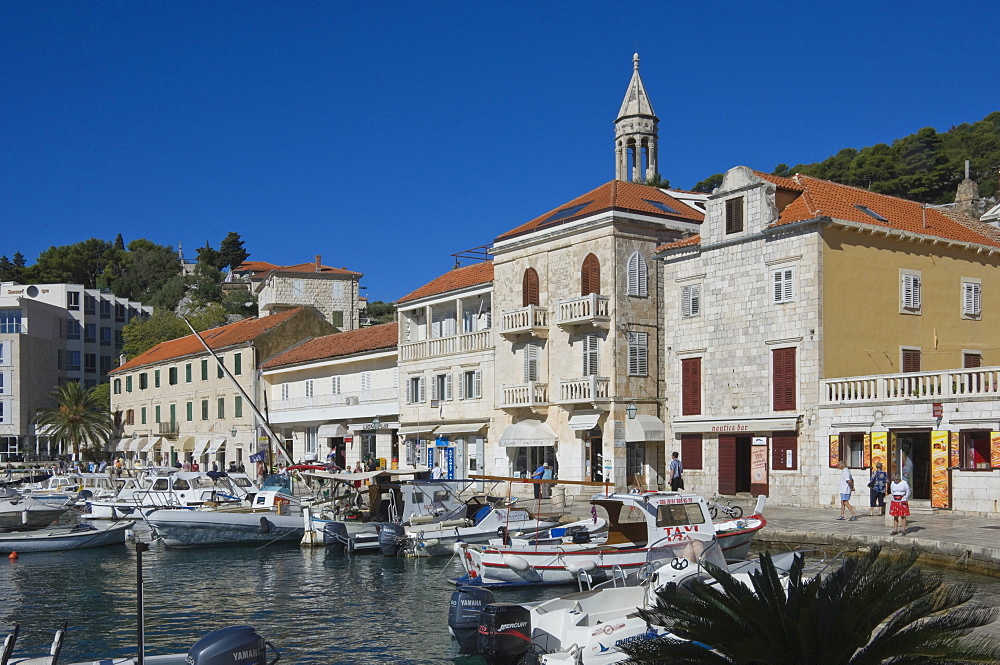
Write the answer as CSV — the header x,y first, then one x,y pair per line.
x,y
316,607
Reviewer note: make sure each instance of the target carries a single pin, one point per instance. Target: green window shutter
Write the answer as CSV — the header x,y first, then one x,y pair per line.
x,y
142,415
238,407
187,373
222,408
190,411
237,363
204,370
337,319
156,380
204,409
128,384
156,412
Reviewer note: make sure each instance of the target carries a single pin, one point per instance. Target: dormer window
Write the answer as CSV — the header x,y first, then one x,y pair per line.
x,y
734,215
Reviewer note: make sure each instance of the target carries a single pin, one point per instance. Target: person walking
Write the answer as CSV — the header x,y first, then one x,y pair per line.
x,y
899,507
846,488
436,472
877,486
676,469
547,475
537,475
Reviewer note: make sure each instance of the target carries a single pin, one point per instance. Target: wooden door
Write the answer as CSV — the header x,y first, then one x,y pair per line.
x,y
727,465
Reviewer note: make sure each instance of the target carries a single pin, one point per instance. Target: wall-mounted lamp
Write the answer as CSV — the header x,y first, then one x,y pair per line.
x,y
232,432
630,410
878,416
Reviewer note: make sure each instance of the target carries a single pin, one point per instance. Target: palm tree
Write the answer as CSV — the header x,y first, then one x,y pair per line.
x,y
79,416
870,611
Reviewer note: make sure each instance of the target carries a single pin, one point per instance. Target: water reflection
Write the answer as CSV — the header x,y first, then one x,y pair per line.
x,y
317,608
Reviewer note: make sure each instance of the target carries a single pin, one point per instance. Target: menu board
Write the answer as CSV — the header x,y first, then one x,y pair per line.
x,y
955,460
868,451
879,449
940,493
834,451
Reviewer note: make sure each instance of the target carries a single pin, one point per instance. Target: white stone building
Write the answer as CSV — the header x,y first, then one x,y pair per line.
x,y
51,334
446,343
336,398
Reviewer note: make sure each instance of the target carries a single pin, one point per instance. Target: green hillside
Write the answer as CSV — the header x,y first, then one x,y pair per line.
x,y
926,166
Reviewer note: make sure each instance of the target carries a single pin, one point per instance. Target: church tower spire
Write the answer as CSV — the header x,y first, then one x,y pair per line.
x,y
636,133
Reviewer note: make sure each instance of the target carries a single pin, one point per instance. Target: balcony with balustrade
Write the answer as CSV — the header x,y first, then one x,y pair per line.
x,y
481,340
526,395
331,400
529,321
591,310
942,385
594,390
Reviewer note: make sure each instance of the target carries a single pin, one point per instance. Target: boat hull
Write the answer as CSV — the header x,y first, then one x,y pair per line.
x,y
198,528
562,564
61,539
28,515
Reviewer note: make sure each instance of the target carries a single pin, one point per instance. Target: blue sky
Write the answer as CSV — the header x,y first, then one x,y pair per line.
x,y
387,135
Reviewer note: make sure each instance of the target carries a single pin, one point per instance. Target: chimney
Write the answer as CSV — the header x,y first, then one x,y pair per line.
x,y
967,197
319,263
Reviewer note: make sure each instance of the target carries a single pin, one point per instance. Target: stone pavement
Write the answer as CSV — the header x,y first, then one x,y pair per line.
x,y
968,542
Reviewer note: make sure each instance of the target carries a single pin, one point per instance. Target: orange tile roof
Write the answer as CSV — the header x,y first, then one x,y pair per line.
x,y
216,338
459,278
258,268
383,336
822,198
690,241
614,195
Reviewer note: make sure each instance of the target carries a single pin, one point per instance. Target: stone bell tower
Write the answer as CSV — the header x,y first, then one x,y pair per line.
x,y
636,133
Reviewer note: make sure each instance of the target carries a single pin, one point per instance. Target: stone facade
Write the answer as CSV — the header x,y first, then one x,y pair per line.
x,y
334,292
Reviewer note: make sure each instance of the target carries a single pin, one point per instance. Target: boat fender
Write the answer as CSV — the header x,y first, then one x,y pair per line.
x,y
451,523
458,546
516,562
577,567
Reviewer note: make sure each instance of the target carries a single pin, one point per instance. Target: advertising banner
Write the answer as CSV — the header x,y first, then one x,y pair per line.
x,y
940,492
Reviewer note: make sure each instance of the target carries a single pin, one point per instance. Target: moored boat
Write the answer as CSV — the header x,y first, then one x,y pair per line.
x,y
636,522
63,538
21,513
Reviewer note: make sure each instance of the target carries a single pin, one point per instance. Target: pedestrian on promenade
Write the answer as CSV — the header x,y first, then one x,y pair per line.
x,y
846,488
547,475
899,507
676,469
537,475
877,487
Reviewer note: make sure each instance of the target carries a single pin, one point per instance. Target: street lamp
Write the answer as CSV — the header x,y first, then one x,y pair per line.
x,y
631,410
232,432
376,422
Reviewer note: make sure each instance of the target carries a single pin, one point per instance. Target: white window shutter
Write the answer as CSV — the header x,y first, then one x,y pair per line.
x,y
695,299
395,377
972,302
637,276
590,355
479,383
422,393
461,385
686,302
447,386
777,286
643,277
787,294
911,292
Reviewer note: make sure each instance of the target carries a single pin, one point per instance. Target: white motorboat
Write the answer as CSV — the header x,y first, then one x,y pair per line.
x,y
22,513
169,488
589,627
635,522
58,490
235,644
63,538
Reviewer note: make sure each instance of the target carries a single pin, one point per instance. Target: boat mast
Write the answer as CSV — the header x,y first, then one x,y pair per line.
x,y
253,405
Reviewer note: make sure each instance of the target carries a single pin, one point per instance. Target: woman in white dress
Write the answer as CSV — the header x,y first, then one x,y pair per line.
x,y
899,490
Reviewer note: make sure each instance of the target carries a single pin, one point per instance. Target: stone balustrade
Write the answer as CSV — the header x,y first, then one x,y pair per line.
x,y
588,389
443,346
524,395
939,385
532,319
341,399
592,309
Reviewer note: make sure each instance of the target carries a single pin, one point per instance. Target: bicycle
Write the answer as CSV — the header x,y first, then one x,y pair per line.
x,y
733,511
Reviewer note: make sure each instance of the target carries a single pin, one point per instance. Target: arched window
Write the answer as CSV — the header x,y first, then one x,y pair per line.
x,y
590,276
529,288
638,276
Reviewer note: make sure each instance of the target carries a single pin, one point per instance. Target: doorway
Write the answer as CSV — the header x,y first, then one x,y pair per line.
x,y
595,454
743,445
911,458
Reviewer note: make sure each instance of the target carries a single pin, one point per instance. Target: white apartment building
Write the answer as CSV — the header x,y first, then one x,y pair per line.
x,y
336,398
446,343
51,334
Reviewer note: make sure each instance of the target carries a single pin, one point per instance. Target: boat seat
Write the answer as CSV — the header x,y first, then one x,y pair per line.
x,y
8,644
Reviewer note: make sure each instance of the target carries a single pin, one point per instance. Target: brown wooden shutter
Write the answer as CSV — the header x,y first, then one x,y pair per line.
x,y
590,276
691,387
911,360
529,288
781,443
971,360
734,215
691,451
783,361
727,465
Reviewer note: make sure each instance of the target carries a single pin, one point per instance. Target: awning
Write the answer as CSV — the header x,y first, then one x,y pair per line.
x,y
217,445
184,443
151,443
123,444
528,433
644,428
584,420
200,445
417,429
332,430
137,443
459,428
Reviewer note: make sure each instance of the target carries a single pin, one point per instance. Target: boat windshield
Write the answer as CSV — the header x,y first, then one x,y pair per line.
x,y
277,482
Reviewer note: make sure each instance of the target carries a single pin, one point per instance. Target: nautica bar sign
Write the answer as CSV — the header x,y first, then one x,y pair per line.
x,y
782,423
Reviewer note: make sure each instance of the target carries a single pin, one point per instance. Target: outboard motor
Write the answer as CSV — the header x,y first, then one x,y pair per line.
x,y
235,645
504,633
390,538
466,609
335,536
580,537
